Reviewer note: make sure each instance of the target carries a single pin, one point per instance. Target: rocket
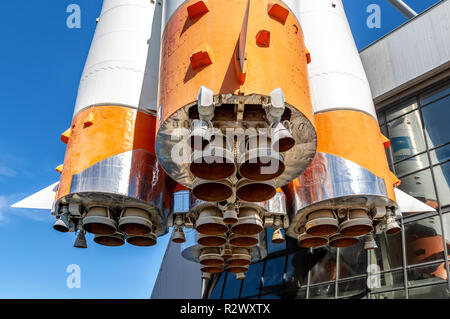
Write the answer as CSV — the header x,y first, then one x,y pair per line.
x,y
223,119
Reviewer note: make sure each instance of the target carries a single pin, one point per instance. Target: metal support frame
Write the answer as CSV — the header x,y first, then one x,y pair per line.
x,y
404,9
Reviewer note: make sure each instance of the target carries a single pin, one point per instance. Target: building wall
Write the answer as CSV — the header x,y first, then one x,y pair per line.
x,y
178,278
389,62
411,264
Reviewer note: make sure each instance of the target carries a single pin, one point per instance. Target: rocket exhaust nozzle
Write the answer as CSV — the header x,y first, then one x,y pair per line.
x,y
98,221
255,192
210,222
212,191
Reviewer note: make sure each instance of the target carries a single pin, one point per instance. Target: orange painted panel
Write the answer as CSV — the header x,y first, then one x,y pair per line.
x,y
354,136
115,130
282,64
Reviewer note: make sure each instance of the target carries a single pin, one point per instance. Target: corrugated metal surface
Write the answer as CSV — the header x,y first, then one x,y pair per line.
x,y
410,52
178,278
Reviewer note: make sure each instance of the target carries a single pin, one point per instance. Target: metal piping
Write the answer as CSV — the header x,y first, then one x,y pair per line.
x,y
404,9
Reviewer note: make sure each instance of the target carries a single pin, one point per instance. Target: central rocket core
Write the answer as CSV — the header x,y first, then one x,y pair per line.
x,y
212,117
234,110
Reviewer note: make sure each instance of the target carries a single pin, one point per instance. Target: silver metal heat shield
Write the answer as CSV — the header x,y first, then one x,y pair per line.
x,y
130,179
175,154
332,182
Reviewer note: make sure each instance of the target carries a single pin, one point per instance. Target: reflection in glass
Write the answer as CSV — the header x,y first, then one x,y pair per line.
x,y
323,265
406,136
424,243
446,226
353,289
411,165
274,247
383,281
440,154
434,95
295,294
273,296
435,118
430,292
398,294
420,185
297,269
442,177
427,274
401,110
352,260
232,287
273,275
389,253
322,292
217,288
252,280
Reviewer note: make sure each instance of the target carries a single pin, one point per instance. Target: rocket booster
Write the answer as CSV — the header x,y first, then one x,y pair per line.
x,y
231,84
223,118
111,182
348,188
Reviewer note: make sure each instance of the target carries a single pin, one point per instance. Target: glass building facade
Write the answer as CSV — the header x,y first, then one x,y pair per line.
x,y
411,264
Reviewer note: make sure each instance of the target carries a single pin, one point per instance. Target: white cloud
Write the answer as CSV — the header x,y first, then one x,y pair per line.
x,y
3,207
6,171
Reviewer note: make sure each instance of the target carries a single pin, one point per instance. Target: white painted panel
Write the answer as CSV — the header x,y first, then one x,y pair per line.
x,y
337,76
43,199
117,61
409,204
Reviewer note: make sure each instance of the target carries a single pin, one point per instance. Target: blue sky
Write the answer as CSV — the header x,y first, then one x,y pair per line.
x,y
41,62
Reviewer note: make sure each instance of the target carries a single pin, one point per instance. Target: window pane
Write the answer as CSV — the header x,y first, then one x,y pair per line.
x,y
406,136
273,296
354,289
400,110
217,289
430,292
323,265
383,281
412,165
322,292
423,241
440,155
435,118
446,226
353,260
297,269
442,176
420,185
252,280
274,247
295,294
273,275
434,95
232,287
398,294
427,274
388,255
